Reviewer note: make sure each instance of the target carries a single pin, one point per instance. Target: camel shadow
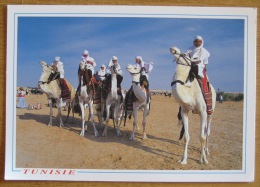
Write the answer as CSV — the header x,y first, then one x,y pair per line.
x,y
111,135
124,139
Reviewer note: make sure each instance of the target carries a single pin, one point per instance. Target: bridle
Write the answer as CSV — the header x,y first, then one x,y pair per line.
x,y
185,57
43,82
187,63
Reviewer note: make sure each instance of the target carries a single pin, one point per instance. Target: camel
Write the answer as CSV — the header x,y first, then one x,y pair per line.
x,y
113,99
84,97
52,90
190,98
141,102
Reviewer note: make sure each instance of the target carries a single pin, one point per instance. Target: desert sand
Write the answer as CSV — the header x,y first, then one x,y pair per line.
x,y
41,146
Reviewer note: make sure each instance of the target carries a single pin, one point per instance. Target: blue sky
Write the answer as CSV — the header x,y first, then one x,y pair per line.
x,y
43,38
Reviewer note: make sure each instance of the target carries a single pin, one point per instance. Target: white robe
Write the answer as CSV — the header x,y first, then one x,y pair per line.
x,y
148,68
101,74
199,54
89,66
60,68
118,68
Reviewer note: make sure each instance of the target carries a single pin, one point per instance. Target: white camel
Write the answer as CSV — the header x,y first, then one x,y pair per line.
x,y
141,102
85,98
191,98
52,90
113,99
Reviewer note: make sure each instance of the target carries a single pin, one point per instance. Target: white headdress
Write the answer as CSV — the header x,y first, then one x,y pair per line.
x,y
85,52
199,38
57,58
111,61
140,58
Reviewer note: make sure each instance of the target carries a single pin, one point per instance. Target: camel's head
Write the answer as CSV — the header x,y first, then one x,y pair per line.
x,y
175,50
82,65
46,71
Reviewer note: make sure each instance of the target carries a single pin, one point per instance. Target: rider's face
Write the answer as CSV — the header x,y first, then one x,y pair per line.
x,y
114,62
197,43
138,61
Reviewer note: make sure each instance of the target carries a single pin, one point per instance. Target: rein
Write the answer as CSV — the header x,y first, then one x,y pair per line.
x,y
41,82
44,82
177,81
188,63
187,60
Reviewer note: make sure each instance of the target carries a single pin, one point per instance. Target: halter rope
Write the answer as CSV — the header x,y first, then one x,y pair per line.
x,y
188,63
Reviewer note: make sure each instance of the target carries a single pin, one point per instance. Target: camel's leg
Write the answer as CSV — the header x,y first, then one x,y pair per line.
x,y
146,109
82,117
92,118
99,114
59,112
208,133
121,113
116,116
203,136
134,123
102,108
51,112
107,118
184,114
69,109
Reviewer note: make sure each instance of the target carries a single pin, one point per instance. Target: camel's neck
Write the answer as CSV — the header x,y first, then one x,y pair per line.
x,y
181,73
45,76
136,77
52,90
113,86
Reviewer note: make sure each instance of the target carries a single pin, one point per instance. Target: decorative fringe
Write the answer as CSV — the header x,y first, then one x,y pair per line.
x,y
207,94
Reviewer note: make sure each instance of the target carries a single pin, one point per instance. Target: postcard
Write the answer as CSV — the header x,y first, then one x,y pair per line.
x,y
130,93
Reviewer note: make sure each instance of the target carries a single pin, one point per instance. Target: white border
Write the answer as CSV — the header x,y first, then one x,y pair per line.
x,y
249,15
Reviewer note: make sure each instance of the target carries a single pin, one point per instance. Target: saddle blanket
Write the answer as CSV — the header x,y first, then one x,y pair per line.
x,y
207,94
131,98
65,91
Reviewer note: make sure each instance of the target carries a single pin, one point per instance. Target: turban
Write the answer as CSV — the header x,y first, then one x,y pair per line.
x,y
85,52
57,58
198,38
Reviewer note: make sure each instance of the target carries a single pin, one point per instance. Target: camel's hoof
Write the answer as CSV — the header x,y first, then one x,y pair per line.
x,y
207,151
82,134
144,137
183,161
203,161
118,133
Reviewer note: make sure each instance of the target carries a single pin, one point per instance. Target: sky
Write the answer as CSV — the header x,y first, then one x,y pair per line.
x,y
43,38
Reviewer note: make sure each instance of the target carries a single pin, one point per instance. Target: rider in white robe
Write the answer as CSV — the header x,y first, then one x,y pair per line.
x,y
199,54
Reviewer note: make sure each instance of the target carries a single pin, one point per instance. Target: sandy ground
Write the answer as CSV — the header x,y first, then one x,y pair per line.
x,y
40,146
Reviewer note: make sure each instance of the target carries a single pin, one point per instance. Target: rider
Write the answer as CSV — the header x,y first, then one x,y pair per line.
x,y
89,62
102,72
199,57
119,76
146,68
58,72
58,69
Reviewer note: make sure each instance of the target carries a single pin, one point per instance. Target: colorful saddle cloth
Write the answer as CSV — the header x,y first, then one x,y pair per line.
x,y
206,92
